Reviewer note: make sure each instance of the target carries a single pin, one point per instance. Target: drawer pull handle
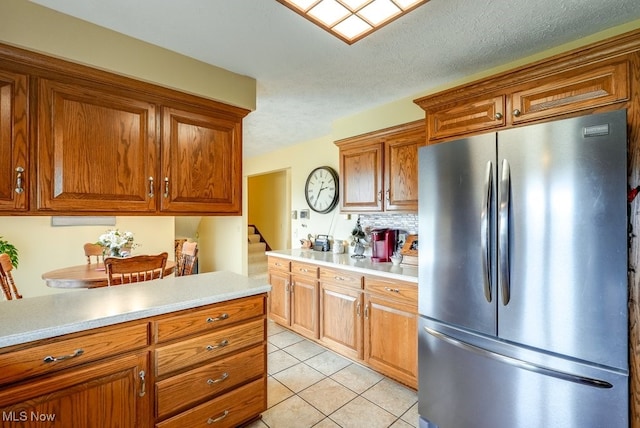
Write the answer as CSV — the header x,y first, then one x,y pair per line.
x,y
218,419
143,384
220,318
220,379
392,290
339,278
50,359
222,344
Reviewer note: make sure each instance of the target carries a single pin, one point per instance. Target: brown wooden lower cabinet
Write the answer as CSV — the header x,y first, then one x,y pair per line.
x,y
391,328
370,319
293,299
341,315
101,395
189,368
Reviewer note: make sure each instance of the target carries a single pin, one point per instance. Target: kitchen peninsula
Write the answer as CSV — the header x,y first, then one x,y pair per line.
x,y
365,311
171,352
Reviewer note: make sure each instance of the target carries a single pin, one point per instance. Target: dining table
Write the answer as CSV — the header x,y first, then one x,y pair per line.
x,y
88,275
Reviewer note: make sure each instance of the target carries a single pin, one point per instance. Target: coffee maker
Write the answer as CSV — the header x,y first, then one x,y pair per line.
x,y
383,244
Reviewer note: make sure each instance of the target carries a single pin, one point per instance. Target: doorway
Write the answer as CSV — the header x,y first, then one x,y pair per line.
x,y
269,207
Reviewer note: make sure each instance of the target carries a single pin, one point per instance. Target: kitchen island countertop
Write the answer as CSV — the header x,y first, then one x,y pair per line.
x,y
345,261
44,317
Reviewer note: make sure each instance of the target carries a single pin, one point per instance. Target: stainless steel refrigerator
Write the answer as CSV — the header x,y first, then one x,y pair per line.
x,y
523,277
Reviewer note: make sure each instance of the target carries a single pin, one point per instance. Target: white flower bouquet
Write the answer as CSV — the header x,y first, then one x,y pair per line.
x,y
115,242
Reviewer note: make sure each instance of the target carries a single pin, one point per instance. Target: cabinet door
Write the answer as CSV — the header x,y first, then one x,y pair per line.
x,y
279,298
201,163
101,395
391,338
341,319
361,180
14,149
466,117
304,305
401,171
572,91
96,151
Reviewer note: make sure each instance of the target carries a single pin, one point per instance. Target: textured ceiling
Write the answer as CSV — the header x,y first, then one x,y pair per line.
x,y
307,78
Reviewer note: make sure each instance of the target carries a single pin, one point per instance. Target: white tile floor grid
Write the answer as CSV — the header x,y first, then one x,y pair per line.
x,y
310,386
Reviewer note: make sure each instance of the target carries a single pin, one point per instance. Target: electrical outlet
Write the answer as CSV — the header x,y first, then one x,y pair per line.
x,y
294,215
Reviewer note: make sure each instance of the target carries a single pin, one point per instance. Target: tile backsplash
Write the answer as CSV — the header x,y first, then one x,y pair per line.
x,y
407,222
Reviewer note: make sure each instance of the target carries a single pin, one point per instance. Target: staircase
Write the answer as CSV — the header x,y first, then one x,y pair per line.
x,y
257,259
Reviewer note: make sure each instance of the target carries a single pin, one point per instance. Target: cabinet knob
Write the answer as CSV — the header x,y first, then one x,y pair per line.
x,y
516,112
498,116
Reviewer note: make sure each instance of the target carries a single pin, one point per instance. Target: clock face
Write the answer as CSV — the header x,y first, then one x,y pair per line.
x,y
321,189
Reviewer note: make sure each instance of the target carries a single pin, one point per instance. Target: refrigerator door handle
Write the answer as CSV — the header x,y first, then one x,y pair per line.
x,y
503,232
485,231
596,383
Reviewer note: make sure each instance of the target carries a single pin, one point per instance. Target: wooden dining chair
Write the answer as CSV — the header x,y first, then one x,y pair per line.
x,y
187,259
94,250
134,269
6,278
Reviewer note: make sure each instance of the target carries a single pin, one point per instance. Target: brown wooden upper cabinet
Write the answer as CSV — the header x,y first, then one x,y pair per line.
x,y
379,170
96,151
14,142
201,162
525,96
101,143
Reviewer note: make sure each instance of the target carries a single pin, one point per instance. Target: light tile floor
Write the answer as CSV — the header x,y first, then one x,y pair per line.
x,y
310,386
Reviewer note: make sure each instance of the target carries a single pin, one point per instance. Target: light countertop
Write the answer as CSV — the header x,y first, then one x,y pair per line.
x,y
49,316
345,261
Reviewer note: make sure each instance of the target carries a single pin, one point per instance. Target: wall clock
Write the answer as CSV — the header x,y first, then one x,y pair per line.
x,y
321,189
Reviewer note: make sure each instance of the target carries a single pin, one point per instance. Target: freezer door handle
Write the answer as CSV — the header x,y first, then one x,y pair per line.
x,y
503,232
596,383
486,230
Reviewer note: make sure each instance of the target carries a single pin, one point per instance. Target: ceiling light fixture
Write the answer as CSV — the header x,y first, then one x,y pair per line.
x,y
351,20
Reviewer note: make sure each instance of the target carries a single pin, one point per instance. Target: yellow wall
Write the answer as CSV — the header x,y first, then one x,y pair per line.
x,y
222,240
303,157
268,208
43,247
30,26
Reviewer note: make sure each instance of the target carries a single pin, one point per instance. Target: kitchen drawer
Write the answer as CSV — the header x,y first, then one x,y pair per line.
x,y
209,318
208,347
341,277
182,390
305,269
50,357
228,410
394,289
275,263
